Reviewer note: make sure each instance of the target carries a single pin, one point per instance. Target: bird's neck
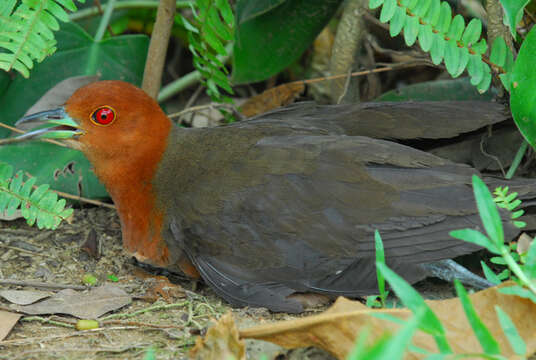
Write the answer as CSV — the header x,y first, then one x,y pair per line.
x,y
129,183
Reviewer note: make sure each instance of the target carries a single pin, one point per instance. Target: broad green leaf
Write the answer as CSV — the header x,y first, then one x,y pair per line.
x,y
388,10
472,32
513,12
488,212
373,4
523,95
482,333
498,52
510,331
120,57
411,30
267,44
437,90
248,10
397,22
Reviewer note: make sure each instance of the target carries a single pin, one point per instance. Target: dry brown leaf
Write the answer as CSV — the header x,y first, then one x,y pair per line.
x,y
24,297
220,342
335,330
272,98
84,305
7,321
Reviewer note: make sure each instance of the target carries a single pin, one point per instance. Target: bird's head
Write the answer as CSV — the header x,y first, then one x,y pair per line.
x,y
110,121
123,132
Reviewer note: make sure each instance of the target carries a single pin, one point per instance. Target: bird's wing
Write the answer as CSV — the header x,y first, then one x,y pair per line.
x,y
385,120
297,213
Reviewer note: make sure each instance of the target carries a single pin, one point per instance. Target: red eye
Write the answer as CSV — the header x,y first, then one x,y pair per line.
x,y
103,116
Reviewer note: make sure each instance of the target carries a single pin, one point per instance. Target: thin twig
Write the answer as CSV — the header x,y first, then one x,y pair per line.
x,y
201,107
39,284
156,55
139,324
48,321
26,251
142,311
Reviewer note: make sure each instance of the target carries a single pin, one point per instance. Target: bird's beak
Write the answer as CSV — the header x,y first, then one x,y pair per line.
x,y
50,124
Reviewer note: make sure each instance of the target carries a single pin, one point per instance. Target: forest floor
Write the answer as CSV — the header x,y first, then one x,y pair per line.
x,y
168,318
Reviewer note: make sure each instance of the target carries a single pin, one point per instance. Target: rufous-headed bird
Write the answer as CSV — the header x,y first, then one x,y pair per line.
x,y
284,203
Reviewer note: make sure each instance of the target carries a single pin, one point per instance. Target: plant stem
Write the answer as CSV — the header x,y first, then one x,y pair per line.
x,y
154,65
517,159
105,20
517,270
92,11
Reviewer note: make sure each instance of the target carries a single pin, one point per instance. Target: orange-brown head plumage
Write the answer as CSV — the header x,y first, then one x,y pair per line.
x,y
125,152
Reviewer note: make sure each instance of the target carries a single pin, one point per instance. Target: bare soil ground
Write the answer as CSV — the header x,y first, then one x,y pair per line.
x,y
29,254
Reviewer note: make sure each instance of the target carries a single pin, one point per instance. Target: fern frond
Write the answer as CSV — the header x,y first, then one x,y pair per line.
x,y
447,39
510,202
213,27
37,205
27,31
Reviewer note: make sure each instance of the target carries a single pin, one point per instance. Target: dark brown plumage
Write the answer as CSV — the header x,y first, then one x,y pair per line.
x,y
286,202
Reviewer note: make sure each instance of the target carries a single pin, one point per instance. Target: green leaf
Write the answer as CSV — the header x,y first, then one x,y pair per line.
x,y
248,10
422,8
414,301
489,274
268,43
452,57
462,63
373,4
445,17
513,12
483,86
411,30
388,10
498,52
380,258
397,22
437,51
510,331
426,37
456,28
432,16
480,47
437,90
472,32
118,57
475,237
488,212
482,333
523,94
226,12
519,291
476,69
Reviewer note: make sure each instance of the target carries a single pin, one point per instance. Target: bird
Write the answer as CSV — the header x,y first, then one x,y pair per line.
x,y
283,203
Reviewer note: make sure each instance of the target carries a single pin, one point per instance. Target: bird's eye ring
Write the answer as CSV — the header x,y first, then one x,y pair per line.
x,y
103,116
